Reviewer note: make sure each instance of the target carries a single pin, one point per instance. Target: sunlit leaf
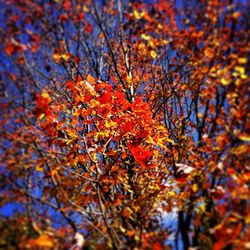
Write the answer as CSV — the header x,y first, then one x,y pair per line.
x,y
153,54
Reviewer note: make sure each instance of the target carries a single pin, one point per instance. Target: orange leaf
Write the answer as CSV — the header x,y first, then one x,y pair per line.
x,y
127,212
91,79
42,241
130,233
57,57
9,49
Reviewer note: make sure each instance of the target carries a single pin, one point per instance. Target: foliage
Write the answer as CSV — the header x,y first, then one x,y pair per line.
x,y
114,113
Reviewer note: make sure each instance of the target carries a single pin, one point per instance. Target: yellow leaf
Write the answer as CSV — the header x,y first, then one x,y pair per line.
x,y
45,95
195,188
69,142
203,207
137,238
94,156
244,76
171,193
39,168
122,229
235,74
240,69
141,46
145,37
138,15
244,137
242,60
225,82
237,82
151,44
150,140
110,124
72,133
40,117
153,54
65,56
56,56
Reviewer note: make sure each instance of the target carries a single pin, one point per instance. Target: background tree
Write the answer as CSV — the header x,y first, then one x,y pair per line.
x,y
116,112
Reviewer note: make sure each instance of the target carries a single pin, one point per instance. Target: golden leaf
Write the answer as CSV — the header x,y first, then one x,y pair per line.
x,y
195,188
122,229
145,37
91,79
65,56
39,168
244,137
57,57
240,69
69,142
151,44
225,82
236,14
85,8
40,117
43,241
242,60
138,15
153,54
200,115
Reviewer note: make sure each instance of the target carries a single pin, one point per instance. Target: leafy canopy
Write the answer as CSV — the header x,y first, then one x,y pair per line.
x,y
116,115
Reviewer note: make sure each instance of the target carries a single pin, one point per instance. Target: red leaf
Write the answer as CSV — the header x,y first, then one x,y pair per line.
x,y
88,28
42,105
141,155
104,91
157,246
70,85
63,17
9,49
81,16
67,5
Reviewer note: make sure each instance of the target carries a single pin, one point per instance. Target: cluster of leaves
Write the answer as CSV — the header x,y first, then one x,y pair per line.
x,y
115,113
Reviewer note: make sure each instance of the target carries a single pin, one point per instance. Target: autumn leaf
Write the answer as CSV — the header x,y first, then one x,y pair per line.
x,y
138,15
43,241
141,155
88,28
9,49
153,54
70,85
145,37
57,57
116,117
65,56
244,137
67,5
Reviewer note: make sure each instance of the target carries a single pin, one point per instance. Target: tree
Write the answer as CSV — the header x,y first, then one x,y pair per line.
x,y
116,112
